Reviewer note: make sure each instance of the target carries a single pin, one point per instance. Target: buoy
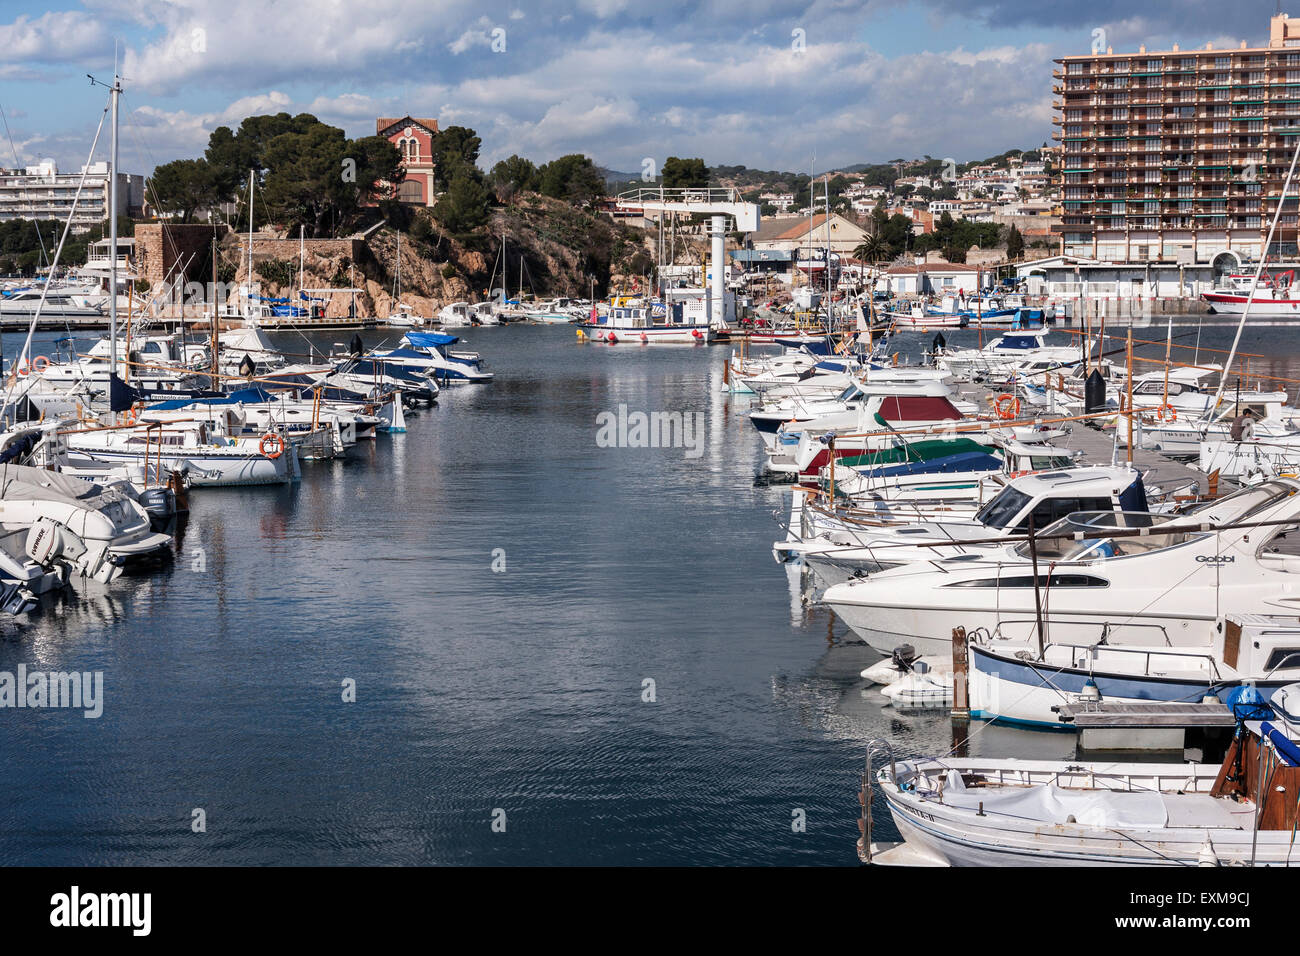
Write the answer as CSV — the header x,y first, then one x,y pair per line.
x,y
696,333
275,442
612,339
581,334
644,338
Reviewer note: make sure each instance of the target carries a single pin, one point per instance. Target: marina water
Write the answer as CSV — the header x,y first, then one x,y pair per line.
x,y
562,653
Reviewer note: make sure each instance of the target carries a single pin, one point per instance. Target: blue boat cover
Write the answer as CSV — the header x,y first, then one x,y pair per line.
x,y
428,340
248,396
1284,745
1019,342
964,462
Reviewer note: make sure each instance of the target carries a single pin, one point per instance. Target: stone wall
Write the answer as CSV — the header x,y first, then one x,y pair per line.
x,y
159,249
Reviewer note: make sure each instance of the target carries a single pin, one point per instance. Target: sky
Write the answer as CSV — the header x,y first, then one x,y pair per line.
x,y
769,84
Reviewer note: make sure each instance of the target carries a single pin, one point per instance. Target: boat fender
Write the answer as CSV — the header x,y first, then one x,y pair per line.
x,y
644,338
612,339
1091,691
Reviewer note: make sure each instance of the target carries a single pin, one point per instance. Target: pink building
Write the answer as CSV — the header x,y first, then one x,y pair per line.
x,y
414,140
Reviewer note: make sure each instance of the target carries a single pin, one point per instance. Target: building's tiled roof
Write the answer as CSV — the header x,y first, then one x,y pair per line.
x,y
931,267
384,123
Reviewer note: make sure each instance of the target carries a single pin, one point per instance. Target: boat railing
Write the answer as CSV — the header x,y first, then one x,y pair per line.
x,y
874,746
1079,652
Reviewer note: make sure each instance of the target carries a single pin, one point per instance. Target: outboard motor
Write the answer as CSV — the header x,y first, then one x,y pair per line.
x,y
16,600
1094,393
937,346
904,656
160,503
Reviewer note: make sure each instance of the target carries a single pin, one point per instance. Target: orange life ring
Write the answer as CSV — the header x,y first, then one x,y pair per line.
x,y
275,441
40,363
1166,407
1006,406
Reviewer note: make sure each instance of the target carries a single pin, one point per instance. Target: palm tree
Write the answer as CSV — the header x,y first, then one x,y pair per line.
x,y
870,249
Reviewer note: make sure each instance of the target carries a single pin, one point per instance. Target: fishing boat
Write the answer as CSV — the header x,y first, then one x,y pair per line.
x,y
188,447
455,315
1274,296
644,324
991,811
1015,678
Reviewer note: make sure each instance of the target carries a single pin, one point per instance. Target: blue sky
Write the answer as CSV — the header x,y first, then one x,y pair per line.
x,y
764,83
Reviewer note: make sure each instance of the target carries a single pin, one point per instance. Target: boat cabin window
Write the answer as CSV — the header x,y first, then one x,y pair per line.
x,y
1157,387
1283,657
1050,510
1027,581
1062,461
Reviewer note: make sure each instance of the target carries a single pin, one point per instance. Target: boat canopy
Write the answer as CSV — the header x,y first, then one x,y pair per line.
x,y
428,340
916,408
245,396
1021,340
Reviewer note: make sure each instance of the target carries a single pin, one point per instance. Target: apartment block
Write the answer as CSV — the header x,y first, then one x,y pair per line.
x,y
1179,156
42,192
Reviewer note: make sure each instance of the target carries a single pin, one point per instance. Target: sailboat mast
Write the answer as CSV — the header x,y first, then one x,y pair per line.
x,y
112,236
249,283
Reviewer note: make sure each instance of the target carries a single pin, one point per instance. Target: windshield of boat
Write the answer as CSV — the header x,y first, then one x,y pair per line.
x,y
1089,536
1243,505
848,394
1002,508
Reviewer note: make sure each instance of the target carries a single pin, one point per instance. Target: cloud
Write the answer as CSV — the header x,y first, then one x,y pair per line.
x,y
56,37
615,79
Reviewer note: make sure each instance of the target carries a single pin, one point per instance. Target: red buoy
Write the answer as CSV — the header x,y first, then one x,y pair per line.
x,y
612,339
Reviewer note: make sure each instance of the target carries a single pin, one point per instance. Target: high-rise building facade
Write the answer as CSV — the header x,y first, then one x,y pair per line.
x,y
42,192
1179,156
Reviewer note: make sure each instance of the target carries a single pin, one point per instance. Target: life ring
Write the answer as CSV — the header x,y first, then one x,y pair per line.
x,y
275,441
131,417
40,363
1006,406
1166,407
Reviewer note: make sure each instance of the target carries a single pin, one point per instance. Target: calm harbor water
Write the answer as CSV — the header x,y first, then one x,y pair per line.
x,y
477,690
